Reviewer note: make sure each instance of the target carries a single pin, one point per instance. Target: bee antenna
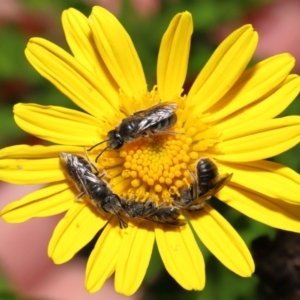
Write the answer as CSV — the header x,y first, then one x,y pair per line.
x,y
97,145
121,221
100,153
123,224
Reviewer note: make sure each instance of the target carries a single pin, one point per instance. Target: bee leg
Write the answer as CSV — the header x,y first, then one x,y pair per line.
x,y
161,205
83,185
93,167
102,175
173,132
150,208
194,186
122,223
80,196
178,223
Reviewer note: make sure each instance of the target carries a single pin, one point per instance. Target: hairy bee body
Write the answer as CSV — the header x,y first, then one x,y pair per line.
x,y
77,169
207,173
155,120
149,211
206,184
152,121
88,181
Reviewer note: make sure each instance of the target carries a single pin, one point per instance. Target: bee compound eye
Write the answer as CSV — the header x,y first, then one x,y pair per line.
x,y
111,203
175,213
123,203
115,140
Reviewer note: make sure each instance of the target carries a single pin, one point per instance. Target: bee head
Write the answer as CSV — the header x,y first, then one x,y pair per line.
x,y
186,194
114,140
111,203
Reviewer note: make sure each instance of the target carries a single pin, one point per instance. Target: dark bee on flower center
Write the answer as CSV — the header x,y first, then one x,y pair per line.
x,y
207,184
88,181
152,121
149,211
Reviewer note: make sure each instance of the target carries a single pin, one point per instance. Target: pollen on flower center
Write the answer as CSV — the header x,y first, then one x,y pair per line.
x,y
151,168
158,166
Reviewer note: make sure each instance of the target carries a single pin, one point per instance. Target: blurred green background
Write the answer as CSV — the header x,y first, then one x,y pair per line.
x,y
19,82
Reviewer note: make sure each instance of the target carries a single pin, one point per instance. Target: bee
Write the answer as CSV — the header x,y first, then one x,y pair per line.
x,y
149,211
88,181
207,183
152,121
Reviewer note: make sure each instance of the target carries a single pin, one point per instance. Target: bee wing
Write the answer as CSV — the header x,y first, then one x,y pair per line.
x,y
218,186
171,217
143,113
179,203
154,115
177,222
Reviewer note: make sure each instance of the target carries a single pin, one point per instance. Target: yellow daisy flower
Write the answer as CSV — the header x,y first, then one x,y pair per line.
x,y
226,116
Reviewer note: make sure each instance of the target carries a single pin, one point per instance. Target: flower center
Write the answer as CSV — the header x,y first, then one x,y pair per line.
x,y
155,167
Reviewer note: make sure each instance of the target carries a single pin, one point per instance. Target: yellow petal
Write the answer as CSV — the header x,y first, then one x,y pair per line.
x,y
181,256
58,124
80,40
232,134
173,56
270,211
264,108
74,231
103,259
254,84
79,37
118,52
31,171
268,178
259,140
48,201
222,240
24,164
70,77
225,66
131,266
37,151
